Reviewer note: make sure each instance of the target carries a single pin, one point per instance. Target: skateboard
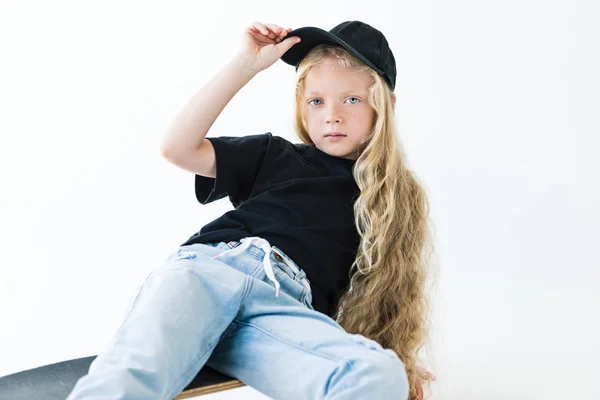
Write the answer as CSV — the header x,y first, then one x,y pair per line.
x,y
55,381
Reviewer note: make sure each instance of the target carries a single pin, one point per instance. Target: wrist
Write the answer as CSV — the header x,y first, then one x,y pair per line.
x,y
244,64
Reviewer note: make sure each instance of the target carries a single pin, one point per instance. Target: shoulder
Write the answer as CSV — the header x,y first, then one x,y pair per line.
x,y
245,139
280,141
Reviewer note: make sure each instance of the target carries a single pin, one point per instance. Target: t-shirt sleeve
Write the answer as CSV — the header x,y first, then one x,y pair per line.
x,y
238,161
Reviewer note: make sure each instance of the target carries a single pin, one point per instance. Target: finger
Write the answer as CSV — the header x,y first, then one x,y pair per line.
x,y
275,28
265,32
282,34
285,32
263,29
259,37
287,44
273,33
260,28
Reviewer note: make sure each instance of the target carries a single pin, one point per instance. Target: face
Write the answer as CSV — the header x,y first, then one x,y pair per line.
x,y
336,100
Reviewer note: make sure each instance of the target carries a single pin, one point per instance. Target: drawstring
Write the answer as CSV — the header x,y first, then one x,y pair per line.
x,y
263,244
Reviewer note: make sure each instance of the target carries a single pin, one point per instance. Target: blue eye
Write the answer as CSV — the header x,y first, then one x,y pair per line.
x,y
356,98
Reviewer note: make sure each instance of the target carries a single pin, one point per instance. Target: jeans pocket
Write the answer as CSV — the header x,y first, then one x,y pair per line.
x,y
183,254
298,280
282,269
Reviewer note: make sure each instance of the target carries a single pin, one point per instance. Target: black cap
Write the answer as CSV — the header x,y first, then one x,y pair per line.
x,y
359,38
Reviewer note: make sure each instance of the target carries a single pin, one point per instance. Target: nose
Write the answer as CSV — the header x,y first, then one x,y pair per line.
x,y
333,116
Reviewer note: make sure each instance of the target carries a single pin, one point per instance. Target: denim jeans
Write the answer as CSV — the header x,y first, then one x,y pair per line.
x,y
243,308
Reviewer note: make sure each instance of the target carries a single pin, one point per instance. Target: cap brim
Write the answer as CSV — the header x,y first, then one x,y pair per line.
x,y
312,36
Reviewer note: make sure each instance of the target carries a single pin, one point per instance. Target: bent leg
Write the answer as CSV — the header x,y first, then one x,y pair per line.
x,y
171,328
285,350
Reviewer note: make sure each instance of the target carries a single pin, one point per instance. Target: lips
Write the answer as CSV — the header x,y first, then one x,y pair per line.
x,y
334,134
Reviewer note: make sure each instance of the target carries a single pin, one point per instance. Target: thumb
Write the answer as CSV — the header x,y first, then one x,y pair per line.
x,y
285,45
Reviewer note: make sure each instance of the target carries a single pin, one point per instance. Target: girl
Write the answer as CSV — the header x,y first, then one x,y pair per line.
x,y
313,287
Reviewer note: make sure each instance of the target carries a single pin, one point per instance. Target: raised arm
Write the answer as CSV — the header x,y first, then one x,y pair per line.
x,y
262,45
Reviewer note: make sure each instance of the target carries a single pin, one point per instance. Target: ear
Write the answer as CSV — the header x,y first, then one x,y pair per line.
x,y
394,99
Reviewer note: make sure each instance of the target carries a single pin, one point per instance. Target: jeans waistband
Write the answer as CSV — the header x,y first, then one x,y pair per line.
x,y
262,249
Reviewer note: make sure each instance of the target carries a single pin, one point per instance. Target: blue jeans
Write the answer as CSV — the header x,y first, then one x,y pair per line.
x,y
244,309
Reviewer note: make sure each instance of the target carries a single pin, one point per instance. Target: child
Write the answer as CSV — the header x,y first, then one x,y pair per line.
x,y
313,286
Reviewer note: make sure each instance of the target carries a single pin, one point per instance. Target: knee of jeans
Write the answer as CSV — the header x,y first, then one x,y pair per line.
x,y
379,377
376,372
394,379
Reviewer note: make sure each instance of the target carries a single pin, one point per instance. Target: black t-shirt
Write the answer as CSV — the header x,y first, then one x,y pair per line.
x,y
295,196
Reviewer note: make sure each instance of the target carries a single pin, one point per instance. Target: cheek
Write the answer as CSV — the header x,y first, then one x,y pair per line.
x,y
365,117
312,118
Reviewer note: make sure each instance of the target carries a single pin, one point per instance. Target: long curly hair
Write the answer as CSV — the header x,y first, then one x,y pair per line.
x,y
386,299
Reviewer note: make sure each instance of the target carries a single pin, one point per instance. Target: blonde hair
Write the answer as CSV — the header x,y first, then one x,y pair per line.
x,y
387,297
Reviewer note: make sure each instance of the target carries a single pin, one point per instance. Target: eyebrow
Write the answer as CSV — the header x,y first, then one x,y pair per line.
x,y
346,92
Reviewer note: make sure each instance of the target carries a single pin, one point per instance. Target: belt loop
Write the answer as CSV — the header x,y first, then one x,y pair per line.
x,y
266,247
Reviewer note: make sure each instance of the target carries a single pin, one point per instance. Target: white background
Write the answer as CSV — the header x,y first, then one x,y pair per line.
x,y
498,107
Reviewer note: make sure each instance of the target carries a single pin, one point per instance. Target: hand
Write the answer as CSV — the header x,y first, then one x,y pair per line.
x,y
263,44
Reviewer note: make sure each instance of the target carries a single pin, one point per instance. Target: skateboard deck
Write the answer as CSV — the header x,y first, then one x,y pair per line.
x,y
55,381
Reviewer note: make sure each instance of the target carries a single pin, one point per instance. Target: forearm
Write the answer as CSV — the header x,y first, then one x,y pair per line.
x,y
192,123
